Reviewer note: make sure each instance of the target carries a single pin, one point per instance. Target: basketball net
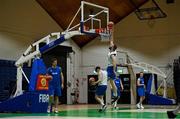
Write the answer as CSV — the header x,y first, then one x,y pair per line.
x,y
105,34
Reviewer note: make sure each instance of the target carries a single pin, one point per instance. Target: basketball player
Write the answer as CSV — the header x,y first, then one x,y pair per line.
x,y
112,68
55,85
120,87
101,88
141,90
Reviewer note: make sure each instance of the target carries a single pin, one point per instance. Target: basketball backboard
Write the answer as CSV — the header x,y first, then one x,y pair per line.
x,y
94,19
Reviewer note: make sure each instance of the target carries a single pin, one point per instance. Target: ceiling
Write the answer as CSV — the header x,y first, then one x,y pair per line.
x,y
62,11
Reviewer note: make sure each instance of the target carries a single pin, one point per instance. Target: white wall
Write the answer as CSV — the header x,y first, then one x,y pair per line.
x,y
10,48
75,73
157,43
21,23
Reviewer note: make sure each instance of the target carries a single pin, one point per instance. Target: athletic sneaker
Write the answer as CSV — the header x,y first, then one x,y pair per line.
x,y
171,115
56,110
138,106
104,108
49,109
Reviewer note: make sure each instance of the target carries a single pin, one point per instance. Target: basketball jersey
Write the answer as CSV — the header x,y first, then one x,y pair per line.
x,y
103,76
117,82
110,58
56,74
141,80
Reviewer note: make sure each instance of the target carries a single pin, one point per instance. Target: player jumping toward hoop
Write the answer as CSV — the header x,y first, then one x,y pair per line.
x,y
111,69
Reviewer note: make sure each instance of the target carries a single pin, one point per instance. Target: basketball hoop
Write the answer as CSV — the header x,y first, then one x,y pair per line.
x,y
94,21
104,33
105,36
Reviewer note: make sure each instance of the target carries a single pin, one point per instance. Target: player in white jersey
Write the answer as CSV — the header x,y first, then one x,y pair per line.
x,y
101,88
112,65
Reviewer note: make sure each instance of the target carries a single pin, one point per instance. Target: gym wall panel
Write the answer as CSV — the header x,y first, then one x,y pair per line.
x,y
22,22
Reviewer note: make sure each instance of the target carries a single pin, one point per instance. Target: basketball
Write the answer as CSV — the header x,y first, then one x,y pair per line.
x,y
110,25
91,80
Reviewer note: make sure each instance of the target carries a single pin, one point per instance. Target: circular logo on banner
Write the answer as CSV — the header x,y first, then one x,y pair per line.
x,y
43,82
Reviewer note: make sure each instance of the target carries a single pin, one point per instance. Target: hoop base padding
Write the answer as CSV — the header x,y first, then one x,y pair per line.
x,y
30,102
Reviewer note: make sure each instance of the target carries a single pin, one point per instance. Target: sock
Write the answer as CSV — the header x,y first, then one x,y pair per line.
x,y
177,109
102,102
115,104
49,106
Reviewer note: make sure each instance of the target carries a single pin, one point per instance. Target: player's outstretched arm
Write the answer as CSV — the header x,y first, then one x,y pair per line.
x,y
111,30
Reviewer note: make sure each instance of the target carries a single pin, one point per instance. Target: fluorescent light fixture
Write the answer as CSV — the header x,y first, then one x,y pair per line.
x,y
145,70
120,71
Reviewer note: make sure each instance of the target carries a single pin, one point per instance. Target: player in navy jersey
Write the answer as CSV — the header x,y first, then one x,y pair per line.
x,y
141,90
120,87
55,85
